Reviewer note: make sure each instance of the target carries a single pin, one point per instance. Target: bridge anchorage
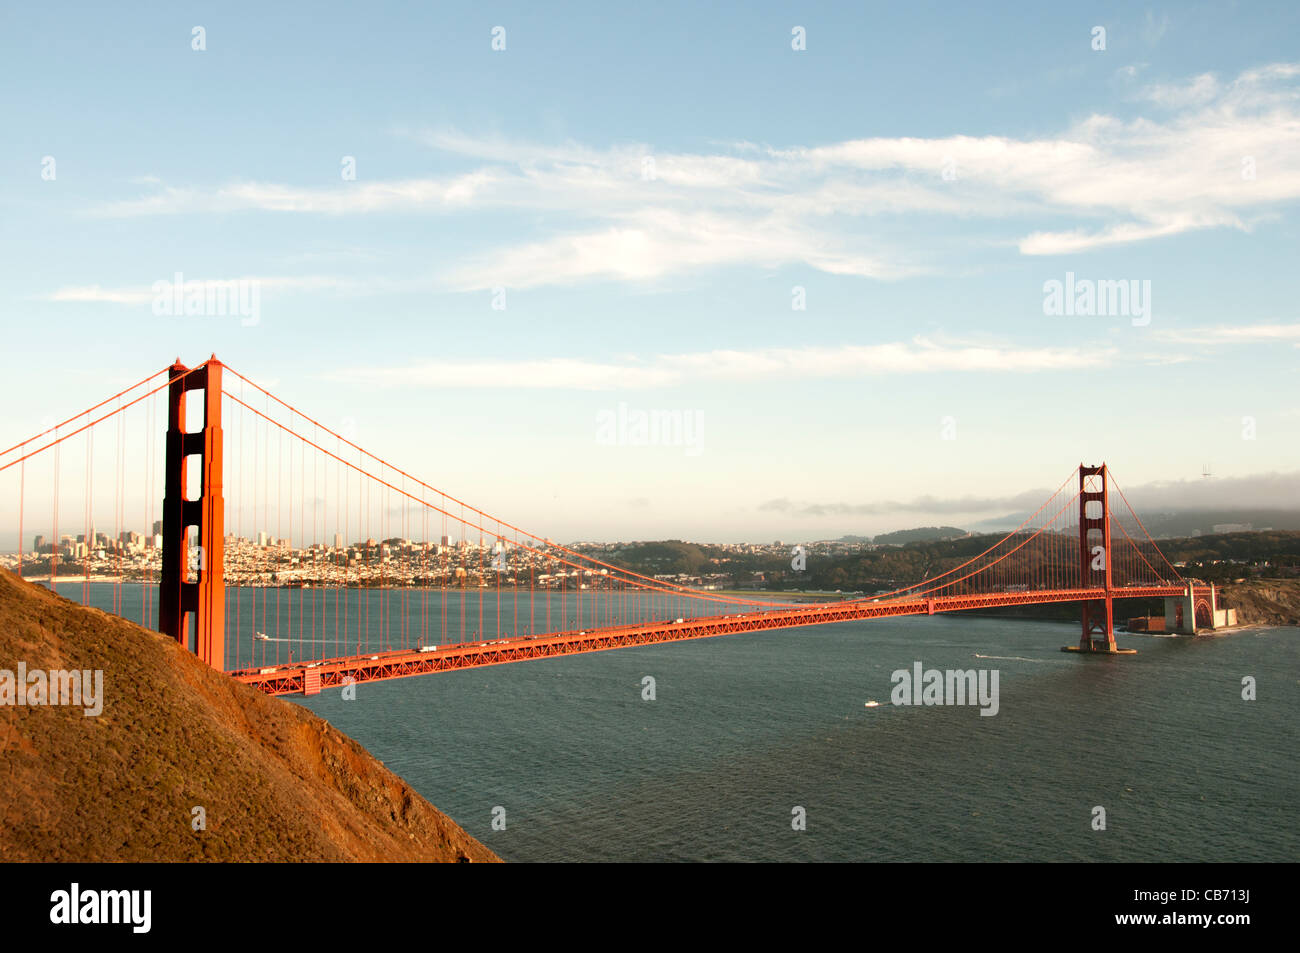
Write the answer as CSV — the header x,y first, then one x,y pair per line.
x,y
295,560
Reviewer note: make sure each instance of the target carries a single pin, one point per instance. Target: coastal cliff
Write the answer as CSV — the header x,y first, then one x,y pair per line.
x,y
1263,601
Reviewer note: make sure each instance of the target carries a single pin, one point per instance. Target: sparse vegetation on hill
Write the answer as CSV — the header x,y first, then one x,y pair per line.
x,y
275,782
1220,559
669,556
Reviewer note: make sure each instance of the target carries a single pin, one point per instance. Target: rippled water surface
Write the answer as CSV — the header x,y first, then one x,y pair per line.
x,y
745,728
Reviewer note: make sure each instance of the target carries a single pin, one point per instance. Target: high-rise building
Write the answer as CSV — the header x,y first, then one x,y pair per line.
x,y
338,540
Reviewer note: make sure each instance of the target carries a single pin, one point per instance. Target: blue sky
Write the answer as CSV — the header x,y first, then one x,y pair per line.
x,y
649,187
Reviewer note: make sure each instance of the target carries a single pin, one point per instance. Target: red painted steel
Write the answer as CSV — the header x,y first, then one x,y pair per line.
x,y
290,679
1035,563
202,599
1098,613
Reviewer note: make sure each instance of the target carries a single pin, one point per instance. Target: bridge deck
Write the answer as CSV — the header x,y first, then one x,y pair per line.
x,y
329,673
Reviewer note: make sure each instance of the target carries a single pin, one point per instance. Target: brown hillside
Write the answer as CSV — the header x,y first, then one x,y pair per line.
x,y
277,783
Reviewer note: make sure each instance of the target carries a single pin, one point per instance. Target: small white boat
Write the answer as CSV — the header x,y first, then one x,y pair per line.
x,y
261,636
872,704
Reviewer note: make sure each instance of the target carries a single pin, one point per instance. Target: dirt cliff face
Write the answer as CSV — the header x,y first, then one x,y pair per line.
x,y
1263,601
274,782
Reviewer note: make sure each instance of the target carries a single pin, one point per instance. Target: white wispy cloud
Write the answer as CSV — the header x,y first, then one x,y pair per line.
x,y
629,213
922,354
1230,334
94,294
1197,92
145,294
917,356
357,198
658,242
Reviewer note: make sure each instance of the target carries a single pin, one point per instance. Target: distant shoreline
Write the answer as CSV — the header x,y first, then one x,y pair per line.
x,y
1259,602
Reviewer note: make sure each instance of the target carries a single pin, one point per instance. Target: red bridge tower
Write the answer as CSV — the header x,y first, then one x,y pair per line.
x,y
192,585
1095,561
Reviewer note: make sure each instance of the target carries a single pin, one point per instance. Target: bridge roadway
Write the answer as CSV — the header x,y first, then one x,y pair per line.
x,y
309,677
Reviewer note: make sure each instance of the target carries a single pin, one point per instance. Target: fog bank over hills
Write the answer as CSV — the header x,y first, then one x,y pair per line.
x,y
1171,508
1190,507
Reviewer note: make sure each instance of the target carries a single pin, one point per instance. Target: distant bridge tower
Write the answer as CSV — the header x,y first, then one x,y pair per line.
x,y
192,585
1095,560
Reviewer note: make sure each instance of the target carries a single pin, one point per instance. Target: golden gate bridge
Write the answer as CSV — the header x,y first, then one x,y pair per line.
x,y
302,609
